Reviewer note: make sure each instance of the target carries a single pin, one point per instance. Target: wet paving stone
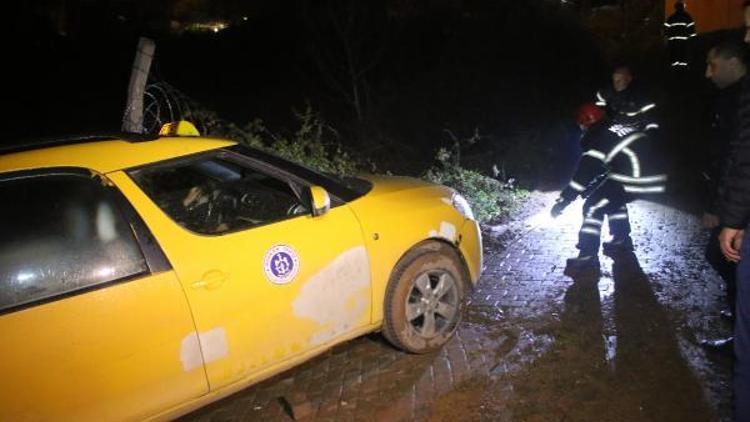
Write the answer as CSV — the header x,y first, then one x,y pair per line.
x,y
536,345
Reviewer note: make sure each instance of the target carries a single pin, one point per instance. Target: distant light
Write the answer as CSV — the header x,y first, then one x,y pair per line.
x,y
213,26
244,18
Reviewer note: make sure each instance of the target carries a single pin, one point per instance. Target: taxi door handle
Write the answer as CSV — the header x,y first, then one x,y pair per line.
x,y
211,280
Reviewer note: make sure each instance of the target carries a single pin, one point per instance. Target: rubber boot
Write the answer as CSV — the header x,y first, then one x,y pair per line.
x,y
582,264
618,246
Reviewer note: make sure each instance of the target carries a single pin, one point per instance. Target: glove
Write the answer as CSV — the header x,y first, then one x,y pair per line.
x,y
559,207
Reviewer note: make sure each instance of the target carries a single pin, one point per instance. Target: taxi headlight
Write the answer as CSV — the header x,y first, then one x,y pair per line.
x,y
462,206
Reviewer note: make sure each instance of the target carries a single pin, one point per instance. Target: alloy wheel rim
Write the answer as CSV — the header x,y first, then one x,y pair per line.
x,y
432,303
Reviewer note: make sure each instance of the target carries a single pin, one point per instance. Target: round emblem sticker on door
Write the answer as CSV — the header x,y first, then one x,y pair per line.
x,y
281,264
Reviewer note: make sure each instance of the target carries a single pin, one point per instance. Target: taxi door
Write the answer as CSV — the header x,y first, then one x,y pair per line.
x,y
261,292
93,320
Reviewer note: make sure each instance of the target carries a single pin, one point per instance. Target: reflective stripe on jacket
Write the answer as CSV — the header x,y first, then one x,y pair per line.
x,y
618,153
679,27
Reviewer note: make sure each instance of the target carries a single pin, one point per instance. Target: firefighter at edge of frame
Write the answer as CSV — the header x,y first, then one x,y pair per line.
x,y
678,31
617,166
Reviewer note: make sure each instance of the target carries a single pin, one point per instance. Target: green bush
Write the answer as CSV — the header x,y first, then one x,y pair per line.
x,y
313,143
210,124
490,198
316,145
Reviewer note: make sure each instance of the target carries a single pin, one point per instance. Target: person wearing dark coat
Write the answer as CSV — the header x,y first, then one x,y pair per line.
x,y
617,166
725,67
734,214
678,30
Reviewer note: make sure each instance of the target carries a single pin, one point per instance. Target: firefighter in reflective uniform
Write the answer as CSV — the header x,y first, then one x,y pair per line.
x,y
626,102
678,30
612,171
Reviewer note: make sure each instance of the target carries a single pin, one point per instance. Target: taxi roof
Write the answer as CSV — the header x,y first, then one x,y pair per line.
x,y
103,154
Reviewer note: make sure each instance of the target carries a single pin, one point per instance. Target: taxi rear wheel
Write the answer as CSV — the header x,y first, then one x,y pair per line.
x,y
425,299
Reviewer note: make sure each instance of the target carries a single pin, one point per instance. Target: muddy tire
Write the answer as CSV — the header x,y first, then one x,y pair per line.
x,y
424,301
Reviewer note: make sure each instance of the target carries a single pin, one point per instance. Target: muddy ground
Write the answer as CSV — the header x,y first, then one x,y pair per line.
x,y
536,345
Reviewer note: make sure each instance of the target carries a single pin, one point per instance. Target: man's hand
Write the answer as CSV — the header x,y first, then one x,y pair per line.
x,y
559,207
709,221
730,242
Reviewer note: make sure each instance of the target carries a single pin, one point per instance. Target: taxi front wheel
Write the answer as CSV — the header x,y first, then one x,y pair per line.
x,y
425,299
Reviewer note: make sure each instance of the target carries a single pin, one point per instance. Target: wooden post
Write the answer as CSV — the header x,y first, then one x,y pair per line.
x,y
132,121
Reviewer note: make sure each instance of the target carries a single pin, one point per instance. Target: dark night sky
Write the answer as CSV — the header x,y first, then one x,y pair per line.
x,y
499,66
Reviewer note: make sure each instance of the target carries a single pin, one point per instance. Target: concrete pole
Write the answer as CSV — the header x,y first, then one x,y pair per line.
x,y
132,121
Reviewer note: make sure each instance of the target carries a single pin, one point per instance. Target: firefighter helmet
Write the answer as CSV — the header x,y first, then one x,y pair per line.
x,y
588,114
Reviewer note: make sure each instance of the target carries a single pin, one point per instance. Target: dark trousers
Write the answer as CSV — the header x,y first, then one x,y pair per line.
x,y
608,200
678,52
726,270
742,335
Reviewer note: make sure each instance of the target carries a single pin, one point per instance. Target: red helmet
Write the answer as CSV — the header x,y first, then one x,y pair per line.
x,y
588,114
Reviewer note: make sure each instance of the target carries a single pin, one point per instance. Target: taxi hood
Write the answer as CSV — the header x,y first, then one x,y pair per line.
x,y
386,185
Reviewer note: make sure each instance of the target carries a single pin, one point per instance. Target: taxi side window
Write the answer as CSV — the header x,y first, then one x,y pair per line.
x,y
61,234
212,195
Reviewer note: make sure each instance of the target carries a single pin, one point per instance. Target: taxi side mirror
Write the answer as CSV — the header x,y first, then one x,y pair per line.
x,y
319,200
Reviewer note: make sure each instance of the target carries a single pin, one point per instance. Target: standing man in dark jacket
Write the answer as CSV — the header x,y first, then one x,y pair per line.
x,y
734,213
617,165
678,30
725,67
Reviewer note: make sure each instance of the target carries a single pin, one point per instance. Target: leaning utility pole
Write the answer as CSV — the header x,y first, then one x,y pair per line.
x,y
132,121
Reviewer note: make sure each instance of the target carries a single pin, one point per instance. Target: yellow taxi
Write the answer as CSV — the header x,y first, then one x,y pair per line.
x,y
144,277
